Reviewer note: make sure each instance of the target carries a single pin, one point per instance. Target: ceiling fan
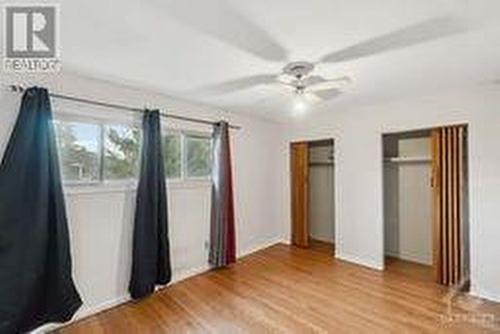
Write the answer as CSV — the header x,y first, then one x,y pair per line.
x,y
225,23
295,77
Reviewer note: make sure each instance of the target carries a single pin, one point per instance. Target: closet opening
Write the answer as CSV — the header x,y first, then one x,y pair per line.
x,y
312,179
425,204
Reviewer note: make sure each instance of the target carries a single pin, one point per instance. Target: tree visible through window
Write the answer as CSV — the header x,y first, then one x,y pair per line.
x,y
172,155
79,150
91,152
198,153
121,156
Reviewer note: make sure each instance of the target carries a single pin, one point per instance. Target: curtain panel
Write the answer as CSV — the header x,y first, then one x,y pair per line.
x,y
36,286
222,225
151,250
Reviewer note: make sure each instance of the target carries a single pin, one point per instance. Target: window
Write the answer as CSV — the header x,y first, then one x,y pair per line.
x,y
121,156
172,156
79,150
92,153
187,155
198,151
95,153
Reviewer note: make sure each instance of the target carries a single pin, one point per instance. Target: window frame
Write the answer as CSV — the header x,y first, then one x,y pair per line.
x,y
195,134
124,181
103,184
101,123
88,121
167,132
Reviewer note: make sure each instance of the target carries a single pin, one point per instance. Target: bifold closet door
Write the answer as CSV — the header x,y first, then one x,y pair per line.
x,y
299,170
447,183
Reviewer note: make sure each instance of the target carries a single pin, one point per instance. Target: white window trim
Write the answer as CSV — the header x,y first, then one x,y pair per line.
x,y
110,186
173,132
102,181
90,121
198,134
183,133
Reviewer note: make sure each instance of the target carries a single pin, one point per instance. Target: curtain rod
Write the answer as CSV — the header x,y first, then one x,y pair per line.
x,y
20,89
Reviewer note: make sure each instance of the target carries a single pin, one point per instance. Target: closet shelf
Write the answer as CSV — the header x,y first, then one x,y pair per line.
x,y
408,159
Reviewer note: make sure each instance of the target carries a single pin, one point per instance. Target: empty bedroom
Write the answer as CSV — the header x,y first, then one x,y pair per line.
x,y
216,166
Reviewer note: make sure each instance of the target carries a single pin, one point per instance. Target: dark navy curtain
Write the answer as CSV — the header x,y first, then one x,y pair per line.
x,y
36,285
222,224
151,250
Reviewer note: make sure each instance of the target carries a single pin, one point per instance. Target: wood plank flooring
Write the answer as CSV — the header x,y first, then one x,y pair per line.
x,y
284,289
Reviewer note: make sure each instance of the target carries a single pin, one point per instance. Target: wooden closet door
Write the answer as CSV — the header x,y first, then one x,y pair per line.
x,y
299,169
448,201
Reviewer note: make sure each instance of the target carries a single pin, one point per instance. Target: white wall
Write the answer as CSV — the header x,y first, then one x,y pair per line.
x,y
407,203
100,218
321,183
358,147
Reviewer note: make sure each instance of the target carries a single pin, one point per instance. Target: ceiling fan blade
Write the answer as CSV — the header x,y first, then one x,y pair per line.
x,y
326,95
286,79
277,89
312,98
421,32
312,80
238,84
329,84
219,19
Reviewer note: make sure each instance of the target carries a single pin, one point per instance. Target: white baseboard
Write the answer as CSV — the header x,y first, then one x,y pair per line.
x,y
485,294
85,312
323,239
360,261
286,241
177,277
260,246
408,257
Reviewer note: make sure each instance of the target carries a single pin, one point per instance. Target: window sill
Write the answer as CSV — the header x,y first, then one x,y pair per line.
x,y
189,184
98,188
123,187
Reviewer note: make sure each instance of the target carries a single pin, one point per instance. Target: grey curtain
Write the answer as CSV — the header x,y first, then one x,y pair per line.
x,y
222,225
36,286
151,250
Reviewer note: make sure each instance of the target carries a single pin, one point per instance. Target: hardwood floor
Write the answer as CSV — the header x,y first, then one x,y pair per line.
x,y
293,290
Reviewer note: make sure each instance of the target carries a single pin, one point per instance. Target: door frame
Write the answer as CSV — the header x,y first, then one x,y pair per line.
x,y
334,203
393,131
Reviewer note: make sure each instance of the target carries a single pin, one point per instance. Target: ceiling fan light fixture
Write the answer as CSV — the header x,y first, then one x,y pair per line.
x,y
299,90
300,106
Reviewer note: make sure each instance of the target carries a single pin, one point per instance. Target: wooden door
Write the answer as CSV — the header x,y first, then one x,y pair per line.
x,y
448,201
299,169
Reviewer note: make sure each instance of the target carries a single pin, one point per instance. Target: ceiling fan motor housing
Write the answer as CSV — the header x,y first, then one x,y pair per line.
x,y
298,69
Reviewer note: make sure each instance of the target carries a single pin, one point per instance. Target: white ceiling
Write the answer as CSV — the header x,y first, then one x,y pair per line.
x,y
168,47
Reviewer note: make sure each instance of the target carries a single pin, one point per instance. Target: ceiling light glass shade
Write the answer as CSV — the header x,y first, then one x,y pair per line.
x,y
300,105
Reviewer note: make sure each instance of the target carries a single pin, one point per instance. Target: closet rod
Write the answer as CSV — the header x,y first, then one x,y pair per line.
x,y
20,89
408,159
